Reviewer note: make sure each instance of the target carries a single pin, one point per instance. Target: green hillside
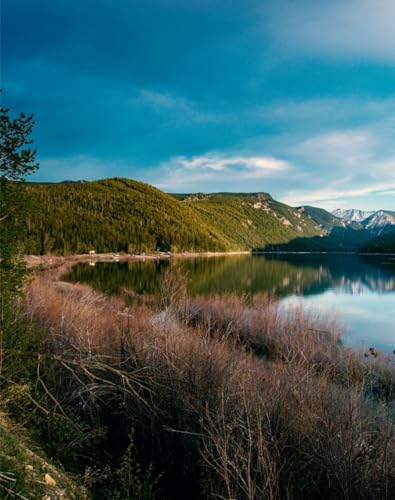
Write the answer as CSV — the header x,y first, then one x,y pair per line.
x,y
253,220
320,216
115,215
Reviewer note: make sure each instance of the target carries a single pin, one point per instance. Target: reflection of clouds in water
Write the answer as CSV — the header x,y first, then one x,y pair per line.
x,y
364,285
366,319
358,294
313,305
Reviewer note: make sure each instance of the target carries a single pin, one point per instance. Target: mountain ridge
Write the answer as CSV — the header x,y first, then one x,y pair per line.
x,y
378,222
352,214
122,215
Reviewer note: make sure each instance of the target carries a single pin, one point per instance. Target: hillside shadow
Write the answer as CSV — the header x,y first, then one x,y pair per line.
x,y
339,240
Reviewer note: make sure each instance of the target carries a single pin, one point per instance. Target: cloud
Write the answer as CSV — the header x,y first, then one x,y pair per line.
x,y
216,162
365,152
324,111
216,168
161,100
179,107
344,167
347,148
330,197
340,28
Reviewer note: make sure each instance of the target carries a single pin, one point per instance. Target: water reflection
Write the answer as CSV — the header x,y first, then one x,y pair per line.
x,y
359,291
278,275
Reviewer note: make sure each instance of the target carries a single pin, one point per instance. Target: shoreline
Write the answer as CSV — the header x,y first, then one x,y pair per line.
x,y
56,260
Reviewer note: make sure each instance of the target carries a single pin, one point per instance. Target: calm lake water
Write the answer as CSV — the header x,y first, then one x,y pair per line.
x,y
360,291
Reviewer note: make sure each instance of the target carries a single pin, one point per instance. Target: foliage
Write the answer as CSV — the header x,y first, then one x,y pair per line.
x,y
278,274
115,215
23,467
215,396
17,160
320,216
381,244
134,483
250,221
340,239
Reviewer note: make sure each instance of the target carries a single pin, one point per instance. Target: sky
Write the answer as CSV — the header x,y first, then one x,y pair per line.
x,y
291,97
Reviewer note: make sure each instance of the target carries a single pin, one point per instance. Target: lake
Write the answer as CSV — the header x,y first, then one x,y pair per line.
x,y
360,291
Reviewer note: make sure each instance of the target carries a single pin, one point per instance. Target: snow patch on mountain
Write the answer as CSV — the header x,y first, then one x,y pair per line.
x,y
352,214
375,222
379,220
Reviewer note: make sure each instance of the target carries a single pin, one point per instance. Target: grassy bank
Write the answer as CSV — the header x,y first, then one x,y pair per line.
x,y
25,471
197,398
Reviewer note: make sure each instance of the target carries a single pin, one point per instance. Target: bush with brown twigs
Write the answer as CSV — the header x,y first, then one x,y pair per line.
x,y
228,397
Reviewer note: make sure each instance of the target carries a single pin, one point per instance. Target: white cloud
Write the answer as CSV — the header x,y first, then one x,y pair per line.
x,y
216,168
339,168
341,28
330,197
216,162
344,148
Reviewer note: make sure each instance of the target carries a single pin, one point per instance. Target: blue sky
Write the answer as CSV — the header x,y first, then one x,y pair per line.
x,y
296,98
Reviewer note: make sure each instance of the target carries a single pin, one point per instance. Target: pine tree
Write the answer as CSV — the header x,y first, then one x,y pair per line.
x,y
17,159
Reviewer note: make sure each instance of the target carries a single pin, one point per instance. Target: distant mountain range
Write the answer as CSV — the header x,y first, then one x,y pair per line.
x,y
115,215
351,214
378,223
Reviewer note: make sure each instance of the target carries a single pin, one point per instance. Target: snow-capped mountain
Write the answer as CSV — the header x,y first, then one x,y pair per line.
x,y
351,214
378,222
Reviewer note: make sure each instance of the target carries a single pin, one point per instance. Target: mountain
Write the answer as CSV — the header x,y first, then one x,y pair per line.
x,y
352,215
121,215
252,220
380,222
324,219
114,215
377,223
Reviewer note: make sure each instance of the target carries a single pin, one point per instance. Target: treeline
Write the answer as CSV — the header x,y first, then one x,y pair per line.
x,y
253,220
120,215
381,244
114,215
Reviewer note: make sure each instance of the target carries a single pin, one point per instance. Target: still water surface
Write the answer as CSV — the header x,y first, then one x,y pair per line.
x,y
359,291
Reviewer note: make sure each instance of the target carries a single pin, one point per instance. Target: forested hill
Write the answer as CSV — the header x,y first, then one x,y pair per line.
x,y
115,215
383,244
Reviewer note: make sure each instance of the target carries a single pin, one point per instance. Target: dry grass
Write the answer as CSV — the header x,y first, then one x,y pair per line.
x,y
233,399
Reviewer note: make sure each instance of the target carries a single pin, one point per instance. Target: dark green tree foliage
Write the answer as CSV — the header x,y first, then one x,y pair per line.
x,y
253,220
381,244
17,159
115,215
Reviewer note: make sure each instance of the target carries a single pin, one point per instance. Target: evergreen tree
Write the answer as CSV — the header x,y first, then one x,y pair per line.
x,y
17,159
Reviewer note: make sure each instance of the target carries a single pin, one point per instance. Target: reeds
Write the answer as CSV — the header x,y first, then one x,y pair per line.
x,y
229,397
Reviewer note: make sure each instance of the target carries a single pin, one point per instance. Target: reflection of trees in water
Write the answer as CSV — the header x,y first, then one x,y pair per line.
x,y
113,277
279,275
